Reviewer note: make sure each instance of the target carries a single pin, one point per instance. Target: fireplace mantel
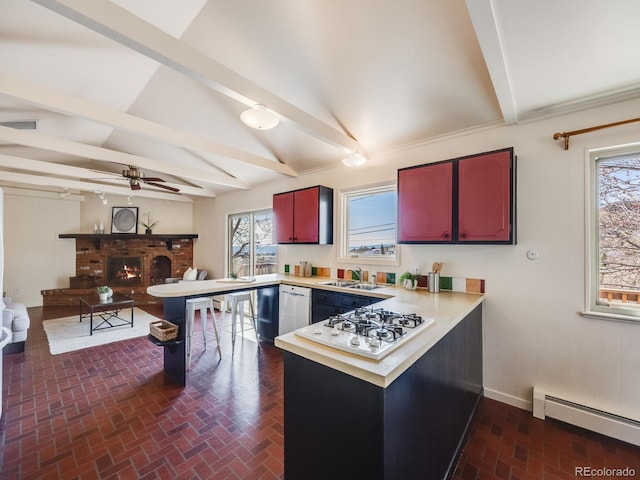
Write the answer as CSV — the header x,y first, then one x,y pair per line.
x,y
97,237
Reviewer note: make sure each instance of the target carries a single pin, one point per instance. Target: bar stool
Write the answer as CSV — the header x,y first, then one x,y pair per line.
x,y
236,300
200,303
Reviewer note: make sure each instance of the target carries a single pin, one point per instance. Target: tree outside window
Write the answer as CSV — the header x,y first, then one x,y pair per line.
x,y
618,237
252,250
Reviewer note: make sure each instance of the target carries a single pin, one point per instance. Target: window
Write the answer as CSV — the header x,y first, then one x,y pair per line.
x,y
614,233
368,225
252,250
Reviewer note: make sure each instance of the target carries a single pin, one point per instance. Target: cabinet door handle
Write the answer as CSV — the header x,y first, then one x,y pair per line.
x,y
463,235
445,235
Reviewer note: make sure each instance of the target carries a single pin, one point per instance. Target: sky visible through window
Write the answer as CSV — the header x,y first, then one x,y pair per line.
x,y
372,223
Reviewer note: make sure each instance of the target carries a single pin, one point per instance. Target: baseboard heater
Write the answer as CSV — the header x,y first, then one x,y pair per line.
x,y
605,423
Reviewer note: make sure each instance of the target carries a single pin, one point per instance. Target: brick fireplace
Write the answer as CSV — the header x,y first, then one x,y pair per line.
x,y
127,263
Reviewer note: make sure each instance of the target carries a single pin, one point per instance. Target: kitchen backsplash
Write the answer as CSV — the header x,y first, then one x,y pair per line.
x,y
455,284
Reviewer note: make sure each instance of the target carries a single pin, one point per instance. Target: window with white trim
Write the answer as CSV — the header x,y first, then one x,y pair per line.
x,y
251,245
368,225
614,233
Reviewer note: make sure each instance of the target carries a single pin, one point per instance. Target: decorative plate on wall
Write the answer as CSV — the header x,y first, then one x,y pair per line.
x,y
124,220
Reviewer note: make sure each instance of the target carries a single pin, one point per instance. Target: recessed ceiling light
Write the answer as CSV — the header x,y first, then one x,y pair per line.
x,y
259,117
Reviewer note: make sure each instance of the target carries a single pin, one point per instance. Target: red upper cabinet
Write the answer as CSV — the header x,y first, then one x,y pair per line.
x,y
485,189
283,217
425,202
304,216
464,200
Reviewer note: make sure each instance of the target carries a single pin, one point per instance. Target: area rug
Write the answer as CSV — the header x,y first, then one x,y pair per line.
x,y
69,334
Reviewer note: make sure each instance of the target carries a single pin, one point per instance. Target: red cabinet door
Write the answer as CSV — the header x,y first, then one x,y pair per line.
x,y
425,203
484,198
283,217
305,215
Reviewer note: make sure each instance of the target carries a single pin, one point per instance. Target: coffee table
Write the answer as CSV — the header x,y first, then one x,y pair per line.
x,y
106,311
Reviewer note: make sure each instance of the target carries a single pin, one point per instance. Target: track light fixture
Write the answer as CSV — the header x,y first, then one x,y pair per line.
x,y
101,197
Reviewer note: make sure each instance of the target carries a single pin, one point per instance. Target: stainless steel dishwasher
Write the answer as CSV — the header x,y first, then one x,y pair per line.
x,y
295,308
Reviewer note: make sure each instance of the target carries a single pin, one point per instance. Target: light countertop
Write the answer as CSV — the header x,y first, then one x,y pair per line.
x,y
446,308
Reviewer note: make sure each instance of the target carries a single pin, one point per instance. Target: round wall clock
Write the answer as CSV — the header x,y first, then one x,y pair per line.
x,y
125,220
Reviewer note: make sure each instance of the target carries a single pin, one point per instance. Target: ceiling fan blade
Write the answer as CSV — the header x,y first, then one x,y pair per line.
x,y
152,179
166,187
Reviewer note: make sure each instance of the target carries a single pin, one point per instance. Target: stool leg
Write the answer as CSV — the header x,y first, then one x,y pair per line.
x,y
253,318
189,333
241,315
215,329
203,321
234,308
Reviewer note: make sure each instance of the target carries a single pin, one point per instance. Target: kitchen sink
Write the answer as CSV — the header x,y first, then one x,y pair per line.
x,y
364,286
338,283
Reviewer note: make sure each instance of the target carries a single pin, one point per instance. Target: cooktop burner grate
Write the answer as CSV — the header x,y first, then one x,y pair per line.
x,y
367,331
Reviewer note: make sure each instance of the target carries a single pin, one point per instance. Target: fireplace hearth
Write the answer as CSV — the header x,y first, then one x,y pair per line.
x,y
124,270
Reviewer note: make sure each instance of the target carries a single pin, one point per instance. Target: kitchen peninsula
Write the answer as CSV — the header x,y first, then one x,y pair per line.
x,y
347,416
403,416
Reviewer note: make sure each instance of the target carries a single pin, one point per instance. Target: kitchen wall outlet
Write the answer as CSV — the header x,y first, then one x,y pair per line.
x,y
533,254
415,270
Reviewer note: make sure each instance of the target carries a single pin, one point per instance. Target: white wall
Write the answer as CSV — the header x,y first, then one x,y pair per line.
x,y
35,258
173,217
534,334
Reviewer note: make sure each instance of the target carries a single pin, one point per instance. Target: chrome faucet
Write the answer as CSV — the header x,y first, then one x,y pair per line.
x,y
357,271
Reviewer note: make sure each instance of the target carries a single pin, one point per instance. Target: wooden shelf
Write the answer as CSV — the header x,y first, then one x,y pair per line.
x,y
97,237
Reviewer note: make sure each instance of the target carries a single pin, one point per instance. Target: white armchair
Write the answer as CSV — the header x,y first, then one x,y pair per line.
x,y
16,319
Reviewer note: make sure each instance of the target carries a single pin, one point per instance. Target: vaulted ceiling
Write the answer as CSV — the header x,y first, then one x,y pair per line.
x,y
160,84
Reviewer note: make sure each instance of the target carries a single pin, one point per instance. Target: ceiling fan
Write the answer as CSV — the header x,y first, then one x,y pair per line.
x,y
135,176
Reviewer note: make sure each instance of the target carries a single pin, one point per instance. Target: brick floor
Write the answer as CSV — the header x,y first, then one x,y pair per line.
x,y
107,413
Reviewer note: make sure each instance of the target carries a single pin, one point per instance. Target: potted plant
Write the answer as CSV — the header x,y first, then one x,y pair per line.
x,y
408,280
148,224
104,292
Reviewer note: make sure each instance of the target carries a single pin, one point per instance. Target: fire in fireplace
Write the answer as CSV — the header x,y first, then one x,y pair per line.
x,y
124,270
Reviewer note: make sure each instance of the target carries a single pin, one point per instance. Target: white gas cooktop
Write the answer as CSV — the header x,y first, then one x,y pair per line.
x,y
358,343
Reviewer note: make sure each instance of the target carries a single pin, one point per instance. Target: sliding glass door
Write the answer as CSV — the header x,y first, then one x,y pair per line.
x,y
252,247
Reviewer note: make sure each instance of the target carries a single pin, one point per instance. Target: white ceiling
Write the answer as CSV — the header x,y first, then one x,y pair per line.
x,y
161,84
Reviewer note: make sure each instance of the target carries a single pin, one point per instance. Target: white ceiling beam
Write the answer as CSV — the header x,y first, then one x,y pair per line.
x,y
486,26
114,22
50,168
74,106
28,179
45,142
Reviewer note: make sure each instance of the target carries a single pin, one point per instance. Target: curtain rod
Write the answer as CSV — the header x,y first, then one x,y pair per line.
x,y
566,135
